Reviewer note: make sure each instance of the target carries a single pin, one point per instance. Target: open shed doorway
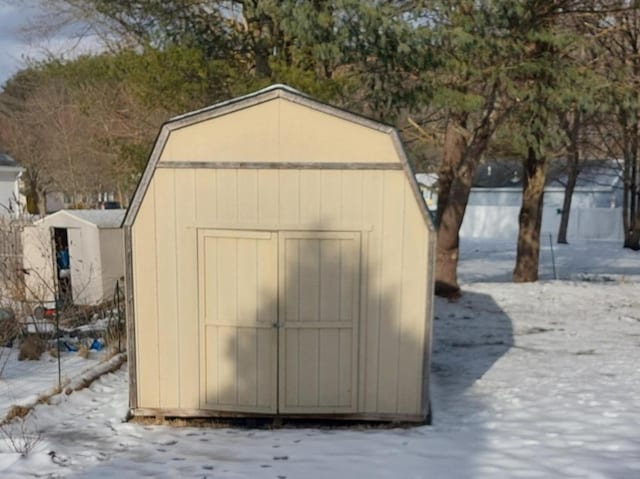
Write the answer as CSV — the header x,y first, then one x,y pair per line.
x,y
63,265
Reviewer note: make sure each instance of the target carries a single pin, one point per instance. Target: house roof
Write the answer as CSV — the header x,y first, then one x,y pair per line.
x,y
6,160
256,98
594,175
99,218
428,180
498,174
603,175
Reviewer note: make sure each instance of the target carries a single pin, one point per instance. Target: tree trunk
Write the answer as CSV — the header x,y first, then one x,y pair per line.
x,y
460,160
263,69
572,178
454,186
631,200
447,249
632,213
447,222
530,219
571,124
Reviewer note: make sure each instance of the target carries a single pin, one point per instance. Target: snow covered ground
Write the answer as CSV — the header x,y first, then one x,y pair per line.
x,y
529,381
23,381
493,260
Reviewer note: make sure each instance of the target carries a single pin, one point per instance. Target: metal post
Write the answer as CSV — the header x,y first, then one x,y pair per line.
x,y
553,259
57,303
119,315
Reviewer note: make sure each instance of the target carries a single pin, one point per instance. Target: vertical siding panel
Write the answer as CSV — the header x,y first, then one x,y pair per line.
x,y
350,299
268,197
248,196
291,272
247,261
310,193
211,393
374,196
227,364
309,279
291,366
146,307
209,260
390,291
206,197
267,312
308,367
352,198
247,367
187,259
167,288
413,307
247,290
330,280
209,304
331,205
227,280
265,367
349,278
347,369
289,197
227,195
329,381
227,313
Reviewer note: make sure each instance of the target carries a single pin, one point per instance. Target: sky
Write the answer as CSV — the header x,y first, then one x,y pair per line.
x,y
16,49
11,46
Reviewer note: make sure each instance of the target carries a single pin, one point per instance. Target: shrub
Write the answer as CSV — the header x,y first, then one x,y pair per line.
x,y
32,348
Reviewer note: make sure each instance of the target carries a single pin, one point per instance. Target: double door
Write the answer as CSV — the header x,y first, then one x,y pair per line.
x,y
278,321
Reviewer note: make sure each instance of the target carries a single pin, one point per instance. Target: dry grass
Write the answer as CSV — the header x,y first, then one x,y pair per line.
x,y
21,436
166,421
32,348
16,411
115,335
9,329
83,352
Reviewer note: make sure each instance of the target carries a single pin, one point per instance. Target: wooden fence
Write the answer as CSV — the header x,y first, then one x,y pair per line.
x,y
11,269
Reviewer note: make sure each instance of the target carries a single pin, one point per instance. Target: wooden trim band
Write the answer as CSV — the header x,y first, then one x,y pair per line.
x,y
319,417
259,165
130,318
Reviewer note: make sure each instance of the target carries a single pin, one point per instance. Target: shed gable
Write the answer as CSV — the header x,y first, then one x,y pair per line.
x,y
279,130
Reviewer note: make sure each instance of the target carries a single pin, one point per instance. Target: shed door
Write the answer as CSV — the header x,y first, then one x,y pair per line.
x,y
319,291
238,304
81,274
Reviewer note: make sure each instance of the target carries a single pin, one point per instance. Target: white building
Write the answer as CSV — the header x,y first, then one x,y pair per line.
x,y
495,199
10,173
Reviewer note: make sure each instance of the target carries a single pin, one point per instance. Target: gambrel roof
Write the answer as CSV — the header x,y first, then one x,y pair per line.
x,y
260,97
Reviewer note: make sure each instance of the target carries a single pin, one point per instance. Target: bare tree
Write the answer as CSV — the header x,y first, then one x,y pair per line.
x,y
618,38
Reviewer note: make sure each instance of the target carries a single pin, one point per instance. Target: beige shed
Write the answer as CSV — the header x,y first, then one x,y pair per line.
x,y
279,263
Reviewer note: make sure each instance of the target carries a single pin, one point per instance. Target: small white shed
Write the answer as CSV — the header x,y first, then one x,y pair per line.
x,y
77,253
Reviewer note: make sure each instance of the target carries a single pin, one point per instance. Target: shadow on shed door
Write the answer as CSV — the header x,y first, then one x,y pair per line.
x,y
238,280
318,321
278,322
